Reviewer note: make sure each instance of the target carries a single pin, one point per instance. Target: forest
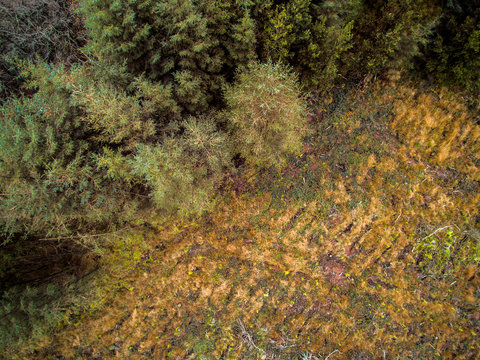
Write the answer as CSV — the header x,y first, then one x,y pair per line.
x,y
239,179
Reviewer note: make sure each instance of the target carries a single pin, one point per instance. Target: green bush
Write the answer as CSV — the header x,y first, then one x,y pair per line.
x,y
445,252
387,35
181,171
266,111
329,41
50,184
30,313
76,154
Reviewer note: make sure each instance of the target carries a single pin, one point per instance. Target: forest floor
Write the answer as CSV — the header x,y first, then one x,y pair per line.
x,y
360,249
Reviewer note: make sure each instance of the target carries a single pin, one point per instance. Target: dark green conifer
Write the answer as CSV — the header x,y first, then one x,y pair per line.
x,y
311,37
387,35
48,182
266,112
453,53
191,45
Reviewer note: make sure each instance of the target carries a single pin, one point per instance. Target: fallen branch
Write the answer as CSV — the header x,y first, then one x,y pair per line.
x,y
333,352
247,338
439,229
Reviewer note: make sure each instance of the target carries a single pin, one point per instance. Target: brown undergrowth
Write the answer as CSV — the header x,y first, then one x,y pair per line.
x,y
365,247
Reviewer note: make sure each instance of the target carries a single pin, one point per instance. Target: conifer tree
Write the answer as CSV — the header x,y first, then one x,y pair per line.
x,y
49,181
190,45
311,37
266,112
46,29
387,35
453,53
76,152
181,171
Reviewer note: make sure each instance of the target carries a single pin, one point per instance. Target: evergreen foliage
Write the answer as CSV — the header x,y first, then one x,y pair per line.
x,y
311,37
453,54
30,29
387,35
189,45
325,40
31,312
266,110
182,170
49,182
76,152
